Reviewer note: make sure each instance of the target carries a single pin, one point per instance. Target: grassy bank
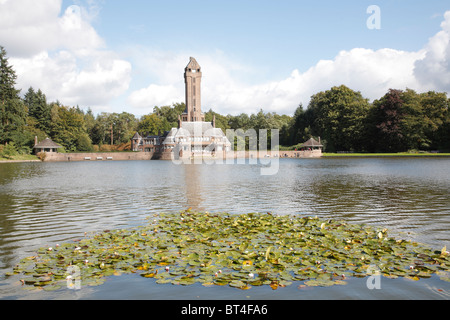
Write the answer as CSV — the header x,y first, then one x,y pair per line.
x,y
400,154
19,158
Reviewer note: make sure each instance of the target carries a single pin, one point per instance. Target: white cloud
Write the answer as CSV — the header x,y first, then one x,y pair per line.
x,y
28,27
369,71
433,71
166,69
61,53
155,95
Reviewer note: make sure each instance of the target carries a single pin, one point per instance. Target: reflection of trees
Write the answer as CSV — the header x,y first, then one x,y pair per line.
x,y
7,227
11,200
8,173
358,196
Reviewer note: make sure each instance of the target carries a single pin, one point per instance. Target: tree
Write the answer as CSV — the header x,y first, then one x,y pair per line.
x,y
169,115
38,108
13,112
126,125
151,124
241,121
9,151
435,117
407,120
300,129
221,121
388,117
339,116
69,128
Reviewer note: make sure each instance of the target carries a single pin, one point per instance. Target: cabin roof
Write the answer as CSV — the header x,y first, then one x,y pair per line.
x,y
312,143
136,136
47,143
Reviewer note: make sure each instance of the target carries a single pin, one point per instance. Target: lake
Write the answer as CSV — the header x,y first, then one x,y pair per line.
x,y
47,203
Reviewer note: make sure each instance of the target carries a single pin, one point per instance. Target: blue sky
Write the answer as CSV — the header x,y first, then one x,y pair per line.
x,y
282,33
115,56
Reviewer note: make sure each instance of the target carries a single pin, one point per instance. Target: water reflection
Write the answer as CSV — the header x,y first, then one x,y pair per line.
x,y
46,203
193,187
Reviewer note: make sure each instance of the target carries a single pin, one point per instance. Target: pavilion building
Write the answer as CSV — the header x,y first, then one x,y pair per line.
x,y
47,146
193,136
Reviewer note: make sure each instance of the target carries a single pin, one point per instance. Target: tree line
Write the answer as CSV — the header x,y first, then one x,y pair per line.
x,y
399,121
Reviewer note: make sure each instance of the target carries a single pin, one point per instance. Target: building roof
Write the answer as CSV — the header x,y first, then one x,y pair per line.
x,y
47,143
136,136
194,129
193,64
312,143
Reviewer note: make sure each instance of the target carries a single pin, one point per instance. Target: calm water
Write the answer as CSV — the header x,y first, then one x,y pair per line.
x,y
42,204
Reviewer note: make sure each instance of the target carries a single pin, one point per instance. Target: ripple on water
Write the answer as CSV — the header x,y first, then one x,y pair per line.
x,y
44,204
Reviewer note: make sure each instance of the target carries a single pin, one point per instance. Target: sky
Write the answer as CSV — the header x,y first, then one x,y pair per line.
x,y
116,55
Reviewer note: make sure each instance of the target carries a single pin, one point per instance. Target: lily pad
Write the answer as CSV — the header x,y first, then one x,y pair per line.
x,y
240,251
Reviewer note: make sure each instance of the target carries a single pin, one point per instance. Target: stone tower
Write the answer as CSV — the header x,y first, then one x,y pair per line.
x,y
193,81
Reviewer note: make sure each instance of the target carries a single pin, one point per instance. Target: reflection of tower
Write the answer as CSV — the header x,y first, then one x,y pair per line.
x,y
192,184
193,81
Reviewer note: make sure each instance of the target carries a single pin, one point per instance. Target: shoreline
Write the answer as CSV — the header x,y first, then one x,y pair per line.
x,y
19,161
324,156
385,155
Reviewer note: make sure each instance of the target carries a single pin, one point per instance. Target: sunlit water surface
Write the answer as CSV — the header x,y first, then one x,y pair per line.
x,y
42,204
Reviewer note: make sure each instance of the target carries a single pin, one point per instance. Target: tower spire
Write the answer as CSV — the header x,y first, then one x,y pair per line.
x,y
193,81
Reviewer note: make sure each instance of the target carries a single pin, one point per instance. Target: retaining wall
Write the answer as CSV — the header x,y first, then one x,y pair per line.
x,y
104,156
124,156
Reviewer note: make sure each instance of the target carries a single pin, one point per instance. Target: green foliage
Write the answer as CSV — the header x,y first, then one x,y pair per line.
x,y
38,109
9,151
110,128
345,120
221,121
13,112
247,250
169,115
397,122
84,143
153,124
339,117
406,120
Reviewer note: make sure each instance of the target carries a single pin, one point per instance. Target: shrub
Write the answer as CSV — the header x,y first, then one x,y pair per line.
x,y
9,150
42,156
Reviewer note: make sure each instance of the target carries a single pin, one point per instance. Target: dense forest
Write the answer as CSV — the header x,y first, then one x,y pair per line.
x,y
401,120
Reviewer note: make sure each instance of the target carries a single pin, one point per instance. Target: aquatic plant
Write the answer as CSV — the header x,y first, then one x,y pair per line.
x,y
240,251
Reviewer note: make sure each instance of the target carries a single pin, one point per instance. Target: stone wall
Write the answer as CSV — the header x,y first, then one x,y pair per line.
x,y
103,156
301,154
124,156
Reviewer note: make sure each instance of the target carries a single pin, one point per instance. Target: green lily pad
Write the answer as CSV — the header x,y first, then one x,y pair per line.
x,y
246,250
